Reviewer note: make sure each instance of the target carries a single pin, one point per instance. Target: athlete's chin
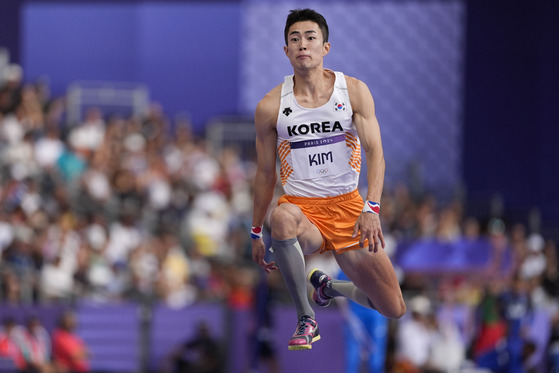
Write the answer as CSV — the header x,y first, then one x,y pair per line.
x,y
304,67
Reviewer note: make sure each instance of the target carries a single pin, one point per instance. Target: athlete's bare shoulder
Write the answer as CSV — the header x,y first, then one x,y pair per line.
x,y
354,84
359,93
268,108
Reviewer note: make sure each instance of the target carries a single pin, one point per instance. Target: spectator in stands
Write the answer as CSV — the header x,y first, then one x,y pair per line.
x,y
448,351
518,241
71,164
174,283
11,338
19,156
124,237
405,212
517,310
10,92
37,352
96,186
48,148
449,224
32,106
69,352
202,353
86,137
427,219
241,282
414,337
145,267
208,223
7,231
534,261
489,341
200,271
13,128
21,266
99,273
9,286
505,259
57,281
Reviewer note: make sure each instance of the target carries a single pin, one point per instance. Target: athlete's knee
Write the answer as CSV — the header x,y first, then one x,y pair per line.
x,y
397,310
283,222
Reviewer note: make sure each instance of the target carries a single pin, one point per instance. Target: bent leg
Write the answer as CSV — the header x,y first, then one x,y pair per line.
x,y
291,232
373,282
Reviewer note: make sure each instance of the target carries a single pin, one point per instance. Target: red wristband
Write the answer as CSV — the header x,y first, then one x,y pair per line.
x,y
256,232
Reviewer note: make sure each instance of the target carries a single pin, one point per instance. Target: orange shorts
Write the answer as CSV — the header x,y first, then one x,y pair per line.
x,y
335,217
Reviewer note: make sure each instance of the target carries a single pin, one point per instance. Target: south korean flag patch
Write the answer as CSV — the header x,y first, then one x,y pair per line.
x,y
339,106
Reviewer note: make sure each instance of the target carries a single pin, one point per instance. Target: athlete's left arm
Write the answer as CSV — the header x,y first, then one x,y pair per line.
x,y
368,129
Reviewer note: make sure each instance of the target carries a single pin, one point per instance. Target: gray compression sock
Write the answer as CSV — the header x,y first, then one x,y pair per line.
x,y
291,262
349,290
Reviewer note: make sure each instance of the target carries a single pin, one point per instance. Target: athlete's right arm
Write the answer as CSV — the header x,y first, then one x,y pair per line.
x,y
265,120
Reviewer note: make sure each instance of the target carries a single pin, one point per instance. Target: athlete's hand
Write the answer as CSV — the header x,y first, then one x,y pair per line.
x,y
369,225
258,253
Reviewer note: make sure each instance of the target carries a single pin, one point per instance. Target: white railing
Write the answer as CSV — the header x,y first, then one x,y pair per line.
x,y
236,132
131,99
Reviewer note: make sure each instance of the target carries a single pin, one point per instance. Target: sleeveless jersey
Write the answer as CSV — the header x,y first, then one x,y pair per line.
x,y
319,149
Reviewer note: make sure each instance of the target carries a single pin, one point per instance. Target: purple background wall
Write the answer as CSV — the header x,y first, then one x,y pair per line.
x,y
181,50
113,335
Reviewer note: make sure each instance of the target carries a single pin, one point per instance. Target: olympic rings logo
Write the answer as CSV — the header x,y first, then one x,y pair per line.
x,y
322,171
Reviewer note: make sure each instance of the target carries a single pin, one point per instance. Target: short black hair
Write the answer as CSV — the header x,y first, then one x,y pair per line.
x,y
300,15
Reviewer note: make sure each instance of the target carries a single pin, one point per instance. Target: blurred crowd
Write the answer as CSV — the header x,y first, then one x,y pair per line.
x,y
30,348
131,208
114,208
501,318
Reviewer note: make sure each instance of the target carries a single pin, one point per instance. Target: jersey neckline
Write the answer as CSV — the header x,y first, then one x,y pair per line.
x,y
318,107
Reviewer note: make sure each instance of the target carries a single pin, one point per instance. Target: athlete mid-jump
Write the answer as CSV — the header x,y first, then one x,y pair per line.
x,y
317,122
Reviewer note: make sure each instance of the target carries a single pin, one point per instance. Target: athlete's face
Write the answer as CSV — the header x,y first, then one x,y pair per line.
x,y
305,47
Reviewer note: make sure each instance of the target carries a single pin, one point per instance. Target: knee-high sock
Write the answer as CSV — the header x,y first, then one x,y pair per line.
x,y
349,290
291,262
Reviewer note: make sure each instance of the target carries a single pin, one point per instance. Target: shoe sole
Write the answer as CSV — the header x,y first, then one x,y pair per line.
x,y
304,347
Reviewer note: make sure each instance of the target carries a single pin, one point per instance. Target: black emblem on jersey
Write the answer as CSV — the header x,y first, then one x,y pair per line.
x,y
287,111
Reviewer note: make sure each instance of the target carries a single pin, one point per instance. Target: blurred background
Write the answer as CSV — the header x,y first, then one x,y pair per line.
x,y
126,165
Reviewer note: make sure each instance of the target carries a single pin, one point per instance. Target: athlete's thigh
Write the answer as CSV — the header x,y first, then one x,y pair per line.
x,y
371,272
309,236
288,220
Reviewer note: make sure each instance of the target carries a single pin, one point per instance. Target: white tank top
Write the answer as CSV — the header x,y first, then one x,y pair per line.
x,y
319,149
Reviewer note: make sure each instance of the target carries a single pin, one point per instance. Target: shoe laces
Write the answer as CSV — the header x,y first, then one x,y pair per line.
x,y
304,324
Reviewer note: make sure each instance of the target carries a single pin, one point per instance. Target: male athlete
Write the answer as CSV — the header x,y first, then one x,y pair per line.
x,y
317,122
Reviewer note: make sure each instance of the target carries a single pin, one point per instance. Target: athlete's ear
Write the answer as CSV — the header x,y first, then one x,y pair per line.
x,y
326,48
